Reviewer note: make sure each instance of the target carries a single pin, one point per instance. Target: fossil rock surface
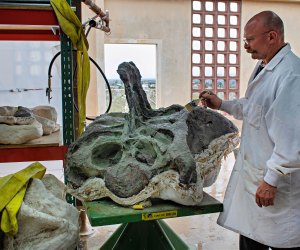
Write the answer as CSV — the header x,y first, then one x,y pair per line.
x,y
166,153
20,124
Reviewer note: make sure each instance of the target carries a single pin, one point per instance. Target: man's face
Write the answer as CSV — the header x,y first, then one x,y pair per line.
x,y
256,40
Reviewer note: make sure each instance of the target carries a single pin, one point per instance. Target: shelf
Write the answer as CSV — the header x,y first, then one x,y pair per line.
x,y
44,141
40,153
28,22
45,148
35,20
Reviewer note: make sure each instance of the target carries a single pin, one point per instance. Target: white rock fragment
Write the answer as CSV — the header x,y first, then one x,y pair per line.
x,y
24,129
49,126
12,120
47,112
7,110
18,134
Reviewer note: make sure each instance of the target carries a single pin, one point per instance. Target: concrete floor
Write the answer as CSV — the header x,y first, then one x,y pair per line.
x,y
200,232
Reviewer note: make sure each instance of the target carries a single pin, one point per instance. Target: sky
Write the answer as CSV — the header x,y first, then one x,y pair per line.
x,y
143,56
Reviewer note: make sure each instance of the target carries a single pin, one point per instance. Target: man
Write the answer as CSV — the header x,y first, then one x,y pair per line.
x,y
262,200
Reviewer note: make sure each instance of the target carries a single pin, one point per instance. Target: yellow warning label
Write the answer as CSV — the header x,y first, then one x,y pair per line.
x,y
159,215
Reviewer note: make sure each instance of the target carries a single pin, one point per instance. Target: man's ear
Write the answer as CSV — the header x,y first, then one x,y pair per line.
x,y
273,37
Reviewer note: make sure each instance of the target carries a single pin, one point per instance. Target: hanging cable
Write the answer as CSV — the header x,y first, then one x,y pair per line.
x,y
49,90
102,24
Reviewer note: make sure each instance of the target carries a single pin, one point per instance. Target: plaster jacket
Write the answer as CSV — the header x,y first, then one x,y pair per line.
x,y
269,150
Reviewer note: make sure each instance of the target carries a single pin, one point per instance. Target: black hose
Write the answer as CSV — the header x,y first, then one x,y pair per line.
x,y
101,71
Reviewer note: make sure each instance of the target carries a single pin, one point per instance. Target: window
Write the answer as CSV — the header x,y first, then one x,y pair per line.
x,y
216,47
118,53
23,67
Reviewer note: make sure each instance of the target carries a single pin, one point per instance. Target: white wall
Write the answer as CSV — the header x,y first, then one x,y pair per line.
x,y
288,11
167,23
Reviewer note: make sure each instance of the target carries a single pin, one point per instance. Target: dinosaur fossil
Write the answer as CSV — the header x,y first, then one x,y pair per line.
x,y
166,153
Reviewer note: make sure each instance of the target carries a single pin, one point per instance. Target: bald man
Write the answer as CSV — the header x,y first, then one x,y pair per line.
x,y
262,200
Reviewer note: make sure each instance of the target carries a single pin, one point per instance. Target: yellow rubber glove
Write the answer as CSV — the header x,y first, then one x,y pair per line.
x,y
13,189
72,27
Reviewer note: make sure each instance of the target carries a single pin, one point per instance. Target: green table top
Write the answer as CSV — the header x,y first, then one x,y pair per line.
x,y
107,212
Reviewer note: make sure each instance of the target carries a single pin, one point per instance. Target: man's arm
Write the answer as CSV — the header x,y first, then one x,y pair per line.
x,y
283,124
233,107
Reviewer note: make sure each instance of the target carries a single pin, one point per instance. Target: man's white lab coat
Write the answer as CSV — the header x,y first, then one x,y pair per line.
x,y
269,150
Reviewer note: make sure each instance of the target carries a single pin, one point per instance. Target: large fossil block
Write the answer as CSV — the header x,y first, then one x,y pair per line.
x,y
166,153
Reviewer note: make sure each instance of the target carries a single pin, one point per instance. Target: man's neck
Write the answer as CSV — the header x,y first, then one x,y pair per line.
x,y
266,61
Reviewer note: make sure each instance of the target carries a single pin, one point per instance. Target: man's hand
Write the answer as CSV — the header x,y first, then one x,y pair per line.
x,y
209,99
265,194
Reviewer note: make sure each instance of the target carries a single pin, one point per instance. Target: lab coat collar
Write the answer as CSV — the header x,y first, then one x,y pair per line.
x,y
278,57
274,61
270,66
